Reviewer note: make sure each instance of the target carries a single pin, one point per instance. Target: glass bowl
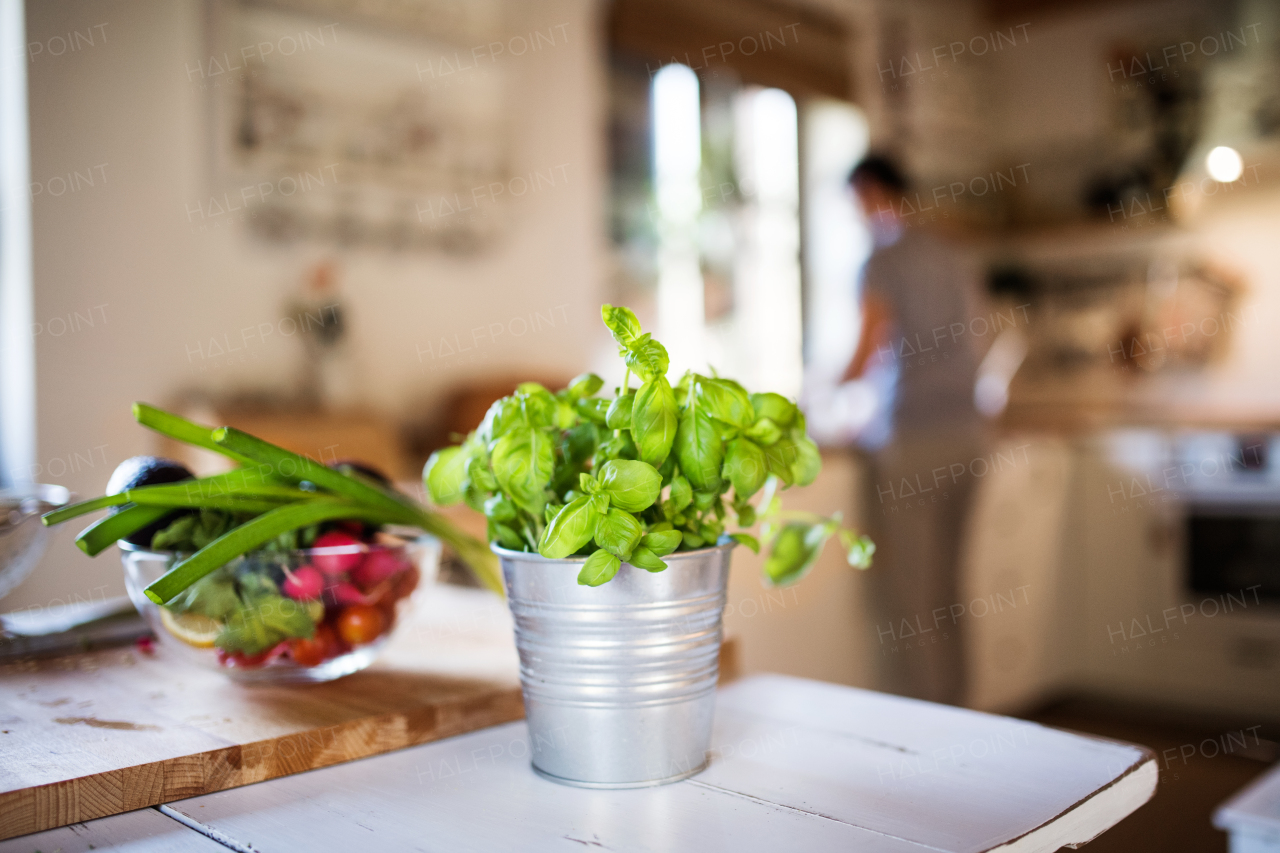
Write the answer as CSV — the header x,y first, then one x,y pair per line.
x,y
282,617
23,538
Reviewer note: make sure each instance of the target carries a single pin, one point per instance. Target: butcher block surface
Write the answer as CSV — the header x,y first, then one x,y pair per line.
x,y
97,734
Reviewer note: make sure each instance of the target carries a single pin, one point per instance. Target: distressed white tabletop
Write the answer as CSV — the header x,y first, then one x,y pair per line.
x,y
141,831
1253,815
796,765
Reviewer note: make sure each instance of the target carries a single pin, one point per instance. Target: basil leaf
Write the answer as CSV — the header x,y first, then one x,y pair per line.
x,y
498,508
618,533
584,385
523,461
764,432
643,558
619,414
746,514
699,450
540,406
726,401
808,462
501,416
745,467
775,407
630,485
691,540
795,551
445,475
587,484
593,409
621,322
654,418
746,539
573,527
779,457
681,493
647,358
505,536
662,542
599,568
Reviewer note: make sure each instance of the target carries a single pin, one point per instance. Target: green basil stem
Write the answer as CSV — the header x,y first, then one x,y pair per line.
x,y
103,533
398,507
250,535
183,430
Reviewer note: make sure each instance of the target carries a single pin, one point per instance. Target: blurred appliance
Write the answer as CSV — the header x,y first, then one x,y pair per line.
x,y
1174,564
1231,516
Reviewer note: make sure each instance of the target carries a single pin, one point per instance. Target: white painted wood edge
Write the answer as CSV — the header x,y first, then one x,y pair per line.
x,y
1253,808
1106,807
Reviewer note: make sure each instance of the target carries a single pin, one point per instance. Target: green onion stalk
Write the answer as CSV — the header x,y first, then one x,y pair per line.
x,y
281,491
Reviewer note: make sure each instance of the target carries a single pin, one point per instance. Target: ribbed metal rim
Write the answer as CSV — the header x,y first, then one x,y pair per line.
x,y
534,556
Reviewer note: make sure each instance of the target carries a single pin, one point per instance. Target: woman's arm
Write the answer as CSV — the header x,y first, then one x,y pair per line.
x,y
876,321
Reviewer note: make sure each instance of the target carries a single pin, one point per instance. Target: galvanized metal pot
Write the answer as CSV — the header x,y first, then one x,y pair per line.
x,y
619,680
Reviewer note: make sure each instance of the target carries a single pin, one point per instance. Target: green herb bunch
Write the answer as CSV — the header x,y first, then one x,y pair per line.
x,y
651,471
273,499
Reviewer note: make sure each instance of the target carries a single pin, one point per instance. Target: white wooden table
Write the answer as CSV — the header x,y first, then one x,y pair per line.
x,y
797,765
1252,817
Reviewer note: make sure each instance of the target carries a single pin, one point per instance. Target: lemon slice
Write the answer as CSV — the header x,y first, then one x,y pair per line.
x,y
194,629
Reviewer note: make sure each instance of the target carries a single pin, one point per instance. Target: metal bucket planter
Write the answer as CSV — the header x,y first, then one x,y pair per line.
x,y
619,680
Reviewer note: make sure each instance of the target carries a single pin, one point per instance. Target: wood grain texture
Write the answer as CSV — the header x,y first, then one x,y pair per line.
x,y
796,765
142,831
99,734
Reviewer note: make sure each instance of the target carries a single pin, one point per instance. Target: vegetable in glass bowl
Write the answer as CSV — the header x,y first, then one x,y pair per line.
x,y
282,569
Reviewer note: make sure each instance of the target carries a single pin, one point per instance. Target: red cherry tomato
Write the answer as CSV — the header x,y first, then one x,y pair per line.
x,y
360,624
322,646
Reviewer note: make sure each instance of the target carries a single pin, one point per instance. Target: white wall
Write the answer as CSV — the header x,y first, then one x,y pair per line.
x,y
123,251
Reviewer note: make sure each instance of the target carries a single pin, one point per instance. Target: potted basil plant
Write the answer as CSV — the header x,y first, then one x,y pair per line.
x,y
611,518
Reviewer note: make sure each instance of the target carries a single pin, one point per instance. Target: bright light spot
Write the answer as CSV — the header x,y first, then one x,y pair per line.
x,y
1224,164
677,142
677,158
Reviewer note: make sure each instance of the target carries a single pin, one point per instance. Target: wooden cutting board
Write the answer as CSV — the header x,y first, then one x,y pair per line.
x,y
91,735
97,734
